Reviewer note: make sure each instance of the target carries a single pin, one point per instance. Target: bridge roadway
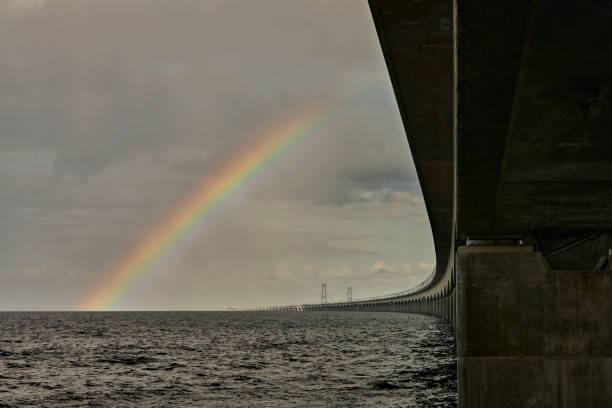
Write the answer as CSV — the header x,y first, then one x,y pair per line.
x,y
506,106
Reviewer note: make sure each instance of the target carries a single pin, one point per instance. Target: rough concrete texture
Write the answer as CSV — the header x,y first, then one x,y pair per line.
x,y
528,336
534,118
417,41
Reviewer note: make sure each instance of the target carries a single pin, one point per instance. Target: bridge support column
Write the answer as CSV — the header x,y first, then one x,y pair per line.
x,y
528,336
452,312
447,308
450,308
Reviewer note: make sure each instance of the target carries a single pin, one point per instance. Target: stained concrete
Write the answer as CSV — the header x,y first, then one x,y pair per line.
x,y
528,336
534,116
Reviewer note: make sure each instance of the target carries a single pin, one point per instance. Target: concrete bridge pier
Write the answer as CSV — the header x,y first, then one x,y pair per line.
x,y
529,336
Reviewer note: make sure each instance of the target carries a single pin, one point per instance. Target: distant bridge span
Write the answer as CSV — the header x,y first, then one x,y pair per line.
x,y
506,106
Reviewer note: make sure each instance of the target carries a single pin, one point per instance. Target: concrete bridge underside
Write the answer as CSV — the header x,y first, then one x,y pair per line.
x,y
506,106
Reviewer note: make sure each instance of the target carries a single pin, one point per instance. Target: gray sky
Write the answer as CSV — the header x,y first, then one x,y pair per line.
x,y
111,111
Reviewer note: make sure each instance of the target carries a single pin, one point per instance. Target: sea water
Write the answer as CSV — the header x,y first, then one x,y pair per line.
x,y
226,359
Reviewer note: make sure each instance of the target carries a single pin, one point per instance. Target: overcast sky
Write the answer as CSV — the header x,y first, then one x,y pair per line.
x,y
111,111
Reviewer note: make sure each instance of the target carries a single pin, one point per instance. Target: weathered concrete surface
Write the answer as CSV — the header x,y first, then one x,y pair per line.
x,y
528,336
534,118
417,41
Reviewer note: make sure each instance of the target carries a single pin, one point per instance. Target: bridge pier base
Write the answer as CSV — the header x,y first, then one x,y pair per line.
x,y
528,336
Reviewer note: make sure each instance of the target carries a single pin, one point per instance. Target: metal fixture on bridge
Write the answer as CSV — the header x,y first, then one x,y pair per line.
x,y
324,293
349,294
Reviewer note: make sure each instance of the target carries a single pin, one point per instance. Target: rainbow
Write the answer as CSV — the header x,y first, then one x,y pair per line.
x,y
209,195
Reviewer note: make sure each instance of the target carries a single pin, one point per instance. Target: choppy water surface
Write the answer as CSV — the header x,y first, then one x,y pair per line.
x,y
226,359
